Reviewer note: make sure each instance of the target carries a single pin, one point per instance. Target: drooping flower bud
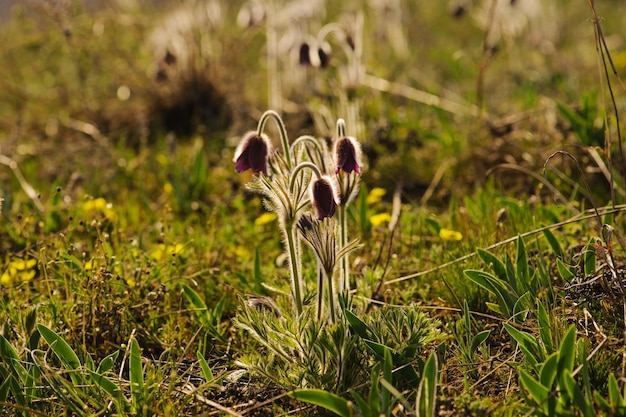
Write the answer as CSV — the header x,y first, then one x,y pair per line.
x,y
253,153
303,55
348,155
324,197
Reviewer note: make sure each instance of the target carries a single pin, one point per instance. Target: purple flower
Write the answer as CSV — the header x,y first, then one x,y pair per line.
x,y
303,54
324,197
348,155
252,153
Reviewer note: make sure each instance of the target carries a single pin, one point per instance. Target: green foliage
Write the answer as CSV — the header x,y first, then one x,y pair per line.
x,y
404,333
426,400
616,403
467,342
585,120
554,391
211,319
325,399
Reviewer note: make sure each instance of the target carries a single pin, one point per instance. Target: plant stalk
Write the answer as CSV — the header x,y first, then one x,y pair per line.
x,y
294,266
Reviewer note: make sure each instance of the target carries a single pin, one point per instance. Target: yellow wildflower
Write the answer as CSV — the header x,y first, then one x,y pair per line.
x,y
265,218
166,250
242,252
375,195
100,205
18,271
449,235
168,188
378,219
89,265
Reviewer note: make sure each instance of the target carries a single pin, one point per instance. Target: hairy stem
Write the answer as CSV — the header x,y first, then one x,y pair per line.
x,y
344,270
294,266
284,140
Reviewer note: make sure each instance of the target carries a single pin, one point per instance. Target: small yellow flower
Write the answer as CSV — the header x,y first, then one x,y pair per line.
x,y
18,271
242,252
168,188
131,282
378,219
100,205
166,250
6,279
89,265
265,218
375,195
449,235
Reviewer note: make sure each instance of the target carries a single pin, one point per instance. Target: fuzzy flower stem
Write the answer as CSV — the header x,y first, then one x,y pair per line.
x,y
344,270
331,297
294,265
282,131
317,146
328,29
320,290
341,128
304,139
300,167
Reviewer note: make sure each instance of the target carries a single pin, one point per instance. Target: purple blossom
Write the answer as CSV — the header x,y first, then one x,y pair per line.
x,y
253,153
348,155
324,197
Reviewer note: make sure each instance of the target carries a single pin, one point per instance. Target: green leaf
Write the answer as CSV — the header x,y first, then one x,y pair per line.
x,y
378,348
554,243
523,272
433,224
89,362
427,390
206,369
136,373
107,386
522,307
527,344
107,363
615,396
545,329
547,375
499,288
498,267
30,320
193,297
537,391
361,404
325,399
5,386
357,325
576,395
63,351
589,258
566,274
511,274
387,375
479,339
7,352
374,394
567,351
